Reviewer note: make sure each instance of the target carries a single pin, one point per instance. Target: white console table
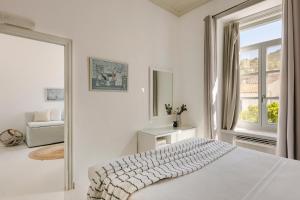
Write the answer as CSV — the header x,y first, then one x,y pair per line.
x,y
159,137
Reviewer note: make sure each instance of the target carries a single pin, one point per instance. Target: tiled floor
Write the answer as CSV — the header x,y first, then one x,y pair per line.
x,y
23,178
70,195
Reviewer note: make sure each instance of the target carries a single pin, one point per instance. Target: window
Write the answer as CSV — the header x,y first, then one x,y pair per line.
x,y
260,62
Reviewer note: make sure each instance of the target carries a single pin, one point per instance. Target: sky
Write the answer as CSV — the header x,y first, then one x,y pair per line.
x,y
261,33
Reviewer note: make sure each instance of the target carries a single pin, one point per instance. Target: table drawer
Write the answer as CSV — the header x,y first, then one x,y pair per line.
x,y
186,134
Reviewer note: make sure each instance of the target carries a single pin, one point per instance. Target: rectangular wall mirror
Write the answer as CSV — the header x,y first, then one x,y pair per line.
x,y
161,91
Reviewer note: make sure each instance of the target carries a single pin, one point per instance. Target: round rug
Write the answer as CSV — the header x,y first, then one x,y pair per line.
x,y
48,153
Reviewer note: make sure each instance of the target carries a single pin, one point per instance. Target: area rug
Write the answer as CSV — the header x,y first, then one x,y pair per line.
x,y
48,153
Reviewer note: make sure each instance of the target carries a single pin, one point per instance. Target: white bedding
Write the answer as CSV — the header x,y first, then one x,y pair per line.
x,y
124,176
239,175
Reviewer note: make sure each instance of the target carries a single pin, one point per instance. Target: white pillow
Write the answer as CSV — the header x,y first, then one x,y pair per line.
x,y
41,116
55,115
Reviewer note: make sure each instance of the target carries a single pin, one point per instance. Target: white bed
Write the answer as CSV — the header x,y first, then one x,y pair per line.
x,y
241,174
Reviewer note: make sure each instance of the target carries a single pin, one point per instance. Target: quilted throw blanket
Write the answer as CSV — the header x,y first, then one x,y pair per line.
x,y
119,179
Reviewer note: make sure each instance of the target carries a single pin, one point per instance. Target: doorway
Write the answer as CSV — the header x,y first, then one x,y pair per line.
x,y
66,46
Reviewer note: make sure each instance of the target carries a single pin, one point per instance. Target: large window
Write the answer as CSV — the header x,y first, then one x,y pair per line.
x,y
260,63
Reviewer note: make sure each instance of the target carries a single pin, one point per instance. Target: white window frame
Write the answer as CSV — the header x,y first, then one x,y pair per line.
x,y
262,124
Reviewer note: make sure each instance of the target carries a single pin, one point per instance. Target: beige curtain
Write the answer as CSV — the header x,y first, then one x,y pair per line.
x,y
289,111
231,76
209,80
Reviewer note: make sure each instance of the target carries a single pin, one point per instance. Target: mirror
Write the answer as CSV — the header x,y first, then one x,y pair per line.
x,y
161,92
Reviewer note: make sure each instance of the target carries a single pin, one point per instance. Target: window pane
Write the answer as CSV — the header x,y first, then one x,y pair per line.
x,y
274,58
249,61
249,110
249,85
273,108
262,33
273,84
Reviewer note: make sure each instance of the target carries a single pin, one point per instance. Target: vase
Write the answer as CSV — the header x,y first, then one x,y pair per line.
x,y
178,119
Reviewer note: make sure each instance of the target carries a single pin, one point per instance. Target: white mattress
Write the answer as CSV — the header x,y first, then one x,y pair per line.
x,y
240,175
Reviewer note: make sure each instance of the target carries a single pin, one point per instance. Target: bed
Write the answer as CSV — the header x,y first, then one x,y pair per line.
x,y
239,174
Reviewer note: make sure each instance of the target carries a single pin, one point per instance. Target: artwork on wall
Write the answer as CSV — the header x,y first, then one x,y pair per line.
x,y
108,75
55,94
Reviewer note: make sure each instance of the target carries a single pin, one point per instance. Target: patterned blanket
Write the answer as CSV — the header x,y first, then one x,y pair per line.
x,y
124,176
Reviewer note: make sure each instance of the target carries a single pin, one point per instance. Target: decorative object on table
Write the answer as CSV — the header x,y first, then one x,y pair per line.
x,y
175,124
169,109
11,137
48,153
108,75
178,120
179,111
55,94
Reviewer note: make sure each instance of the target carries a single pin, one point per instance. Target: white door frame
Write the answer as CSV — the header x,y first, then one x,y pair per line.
x,y
68,75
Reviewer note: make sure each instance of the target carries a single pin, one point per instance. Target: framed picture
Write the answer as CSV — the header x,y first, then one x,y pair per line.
x,y
108,75
55,94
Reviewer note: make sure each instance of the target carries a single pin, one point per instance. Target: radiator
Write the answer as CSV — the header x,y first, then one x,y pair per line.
x,y
258,144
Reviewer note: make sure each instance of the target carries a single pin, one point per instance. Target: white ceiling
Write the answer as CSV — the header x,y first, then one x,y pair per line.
x,y
179,7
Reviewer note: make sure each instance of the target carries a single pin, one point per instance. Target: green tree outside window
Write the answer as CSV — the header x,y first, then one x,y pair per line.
x,y
251,114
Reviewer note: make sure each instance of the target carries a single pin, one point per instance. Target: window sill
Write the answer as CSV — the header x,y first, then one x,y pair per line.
x,y
253,133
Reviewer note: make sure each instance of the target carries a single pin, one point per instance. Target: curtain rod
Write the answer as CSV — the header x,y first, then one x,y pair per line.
x,y
237,7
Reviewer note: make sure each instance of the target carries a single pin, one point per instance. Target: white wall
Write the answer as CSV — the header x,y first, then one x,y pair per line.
x,y
133,31
27,67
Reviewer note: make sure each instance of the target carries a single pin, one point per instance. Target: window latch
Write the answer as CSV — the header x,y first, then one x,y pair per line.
x,y
263,97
